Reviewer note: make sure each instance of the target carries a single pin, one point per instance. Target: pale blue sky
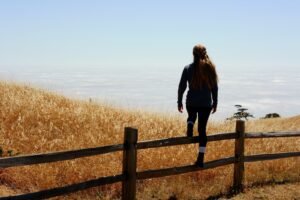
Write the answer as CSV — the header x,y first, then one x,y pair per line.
x,y
89,33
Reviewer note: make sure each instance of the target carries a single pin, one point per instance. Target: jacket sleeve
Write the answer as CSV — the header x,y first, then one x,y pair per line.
x,y
215,95
182,86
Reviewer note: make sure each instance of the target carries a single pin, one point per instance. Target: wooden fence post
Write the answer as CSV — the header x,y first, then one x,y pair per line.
x,y
239,157
129,163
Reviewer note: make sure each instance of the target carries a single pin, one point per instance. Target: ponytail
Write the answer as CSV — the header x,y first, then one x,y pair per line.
x,y
204,74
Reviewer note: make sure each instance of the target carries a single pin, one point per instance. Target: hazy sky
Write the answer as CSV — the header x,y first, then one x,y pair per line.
x,y
92,33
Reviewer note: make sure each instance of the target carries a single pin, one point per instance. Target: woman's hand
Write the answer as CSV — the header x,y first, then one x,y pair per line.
x,y
180,108
214,109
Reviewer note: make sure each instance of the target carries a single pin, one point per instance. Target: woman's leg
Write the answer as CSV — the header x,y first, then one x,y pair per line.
x,y
203,115
192,116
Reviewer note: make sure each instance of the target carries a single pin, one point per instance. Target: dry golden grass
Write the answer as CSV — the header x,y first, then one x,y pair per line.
x,y
36,121
288,191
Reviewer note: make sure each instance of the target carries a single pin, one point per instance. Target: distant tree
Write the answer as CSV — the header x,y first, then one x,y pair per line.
x,y
241,113
271,115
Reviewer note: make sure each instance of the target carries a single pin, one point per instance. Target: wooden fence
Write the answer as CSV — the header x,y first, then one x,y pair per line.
x,y
130,147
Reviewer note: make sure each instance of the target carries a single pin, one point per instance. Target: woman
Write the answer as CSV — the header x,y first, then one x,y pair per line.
x,y
202,96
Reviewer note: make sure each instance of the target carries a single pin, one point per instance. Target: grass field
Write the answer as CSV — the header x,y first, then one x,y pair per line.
x,y
287,191
36,121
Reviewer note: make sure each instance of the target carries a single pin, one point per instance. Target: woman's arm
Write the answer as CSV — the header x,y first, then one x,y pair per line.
x,y
215,98
181,88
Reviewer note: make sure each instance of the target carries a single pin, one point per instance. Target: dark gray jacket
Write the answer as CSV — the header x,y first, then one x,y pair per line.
x,y
203,97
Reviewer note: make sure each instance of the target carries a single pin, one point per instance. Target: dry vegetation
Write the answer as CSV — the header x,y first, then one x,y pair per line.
x,y
288,191
36,121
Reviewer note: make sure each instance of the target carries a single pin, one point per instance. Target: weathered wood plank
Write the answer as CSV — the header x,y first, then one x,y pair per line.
x,y
66,189
56,156
183,140
183,169
222,136
239,150
129,163
272,134
262,157
73,154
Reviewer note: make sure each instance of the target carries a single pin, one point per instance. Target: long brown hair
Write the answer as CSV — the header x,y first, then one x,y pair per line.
x,y
204,70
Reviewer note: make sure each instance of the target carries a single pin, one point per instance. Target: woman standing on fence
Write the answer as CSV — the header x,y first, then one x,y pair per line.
x,y
202,96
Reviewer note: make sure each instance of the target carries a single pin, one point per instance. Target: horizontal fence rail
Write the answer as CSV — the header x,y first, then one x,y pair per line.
x,y
272,134
69,155
262,157
57,156
67,189
183,140
183,169
73,154
130,147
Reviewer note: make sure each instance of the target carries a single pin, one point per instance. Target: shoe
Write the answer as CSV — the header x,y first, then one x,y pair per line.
x,y
200,160
189,132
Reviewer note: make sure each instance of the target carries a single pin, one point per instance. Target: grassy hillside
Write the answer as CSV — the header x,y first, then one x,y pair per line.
x,y
36,121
